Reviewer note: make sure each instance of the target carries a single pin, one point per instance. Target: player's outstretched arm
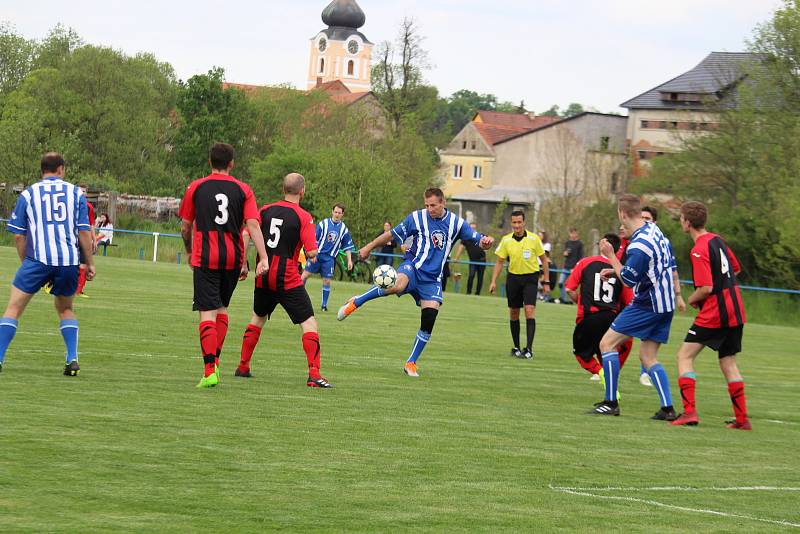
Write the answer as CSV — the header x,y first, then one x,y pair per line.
x,y
379,241
254,229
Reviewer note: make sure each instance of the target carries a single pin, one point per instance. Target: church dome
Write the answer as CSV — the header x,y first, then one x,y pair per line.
x,y
344,13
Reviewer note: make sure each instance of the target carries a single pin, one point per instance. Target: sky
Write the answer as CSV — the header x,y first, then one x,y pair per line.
x,y
543,52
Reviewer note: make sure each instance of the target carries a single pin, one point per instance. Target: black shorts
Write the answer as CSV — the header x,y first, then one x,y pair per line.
x,y
295,301
726,341
588,333
213,288
522,289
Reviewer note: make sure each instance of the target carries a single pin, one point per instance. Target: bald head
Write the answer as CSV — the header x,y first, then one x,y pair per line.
x,y
293,183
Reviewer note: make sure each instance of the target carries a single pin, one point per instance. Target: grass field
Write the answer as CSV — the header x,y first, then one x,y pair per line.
x,y
481,442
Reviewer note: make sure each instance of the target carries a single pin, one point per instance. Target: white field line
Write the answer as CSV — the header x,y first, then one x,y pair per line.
x,y
680,488
572,491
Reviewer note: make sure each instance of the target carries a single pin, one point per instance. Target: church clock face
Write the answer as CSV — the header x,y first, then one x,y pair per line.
x,y
323,44
352,46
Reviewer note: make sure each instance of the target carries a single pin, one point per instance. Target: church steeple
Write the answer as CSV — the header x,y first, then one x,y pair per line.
x,y
341,52
344,13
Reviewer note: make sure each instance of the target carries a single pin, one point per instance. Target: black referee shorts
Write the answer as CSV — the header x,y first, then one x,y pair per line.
x,y
725,341
295,301
521,289
588,333
213,288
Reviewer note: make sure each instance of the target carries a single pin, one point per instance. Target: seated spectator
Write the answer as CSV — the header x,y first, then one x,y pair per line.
x,y
105,230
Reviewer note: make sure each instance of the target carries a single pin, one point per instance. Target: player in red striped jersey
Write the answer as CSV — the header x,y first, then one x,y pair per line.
x,y
719,324
288,228
213,211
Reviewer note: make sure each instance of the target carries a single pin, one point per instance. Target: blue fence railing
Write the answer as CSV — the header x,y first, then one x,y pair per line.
x,y
157,235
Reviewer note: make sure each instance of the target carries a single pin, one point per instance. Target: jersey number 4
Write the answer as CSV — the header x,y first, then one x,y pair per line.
x,y
274,232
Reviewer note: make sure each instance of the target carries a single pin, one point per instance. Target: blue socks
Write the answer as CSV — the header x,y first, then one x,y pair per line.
x,y
611,372
661,382
419,345
373,293
69,331
8,328
326,292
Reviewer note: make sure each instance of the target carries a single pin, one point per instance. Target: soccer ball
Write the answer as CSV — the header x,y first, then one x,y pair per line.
x,y
384,276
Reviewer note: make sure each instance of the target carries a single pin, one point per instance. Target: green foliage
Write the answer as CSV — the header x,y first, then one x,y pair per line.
x,y
16,58
498,219
209,114
573,109
747,171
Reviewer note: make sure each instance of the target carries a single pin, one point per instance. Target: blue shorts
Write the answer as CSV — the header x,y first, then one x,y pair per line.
x,y
323,265
643,324
418,289
32,275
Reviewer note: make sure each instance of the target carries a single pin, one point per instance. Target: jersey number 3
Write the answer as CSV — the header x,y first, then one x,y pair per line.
x,y
222,200
274,232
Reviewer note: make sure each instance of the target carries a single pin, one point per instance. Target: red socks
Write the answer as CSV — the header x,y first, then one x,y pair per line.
x,y
208,345
312,349
251,335
624,351
736,391
592,365
81,279
222,331
687,385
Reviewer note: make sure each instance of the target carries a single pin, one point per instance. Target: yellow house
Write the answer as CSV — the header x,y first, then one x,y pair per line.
x,y
660,118
341,52
467,163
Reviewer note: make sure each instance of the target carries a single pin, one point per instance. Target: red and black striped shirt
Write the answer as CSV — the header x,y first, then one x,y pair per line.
x,y
714,265
596,294
219,205
287,228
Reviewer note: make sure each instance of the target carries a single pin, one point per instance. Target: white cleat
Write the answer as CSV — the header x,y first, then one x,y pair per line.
x,y
644,379
595,378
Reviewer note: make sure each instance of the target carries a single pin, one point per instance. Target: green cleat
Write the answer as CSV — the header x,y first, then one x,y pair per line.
x,y
208,381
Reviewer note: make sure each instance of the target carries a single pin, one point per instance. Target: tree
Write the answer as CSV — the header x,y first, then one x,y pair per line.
x,y
16,59
208,114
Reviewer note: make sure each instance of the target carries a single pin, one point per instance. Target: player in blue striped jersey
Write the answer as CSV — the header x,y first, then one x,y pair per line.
x,y
648,270
332,236
50,222
433,232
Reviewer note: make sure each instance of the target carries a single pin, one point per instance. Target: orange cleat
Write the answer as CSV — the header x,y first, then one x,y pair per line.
x,y
410,368
347,309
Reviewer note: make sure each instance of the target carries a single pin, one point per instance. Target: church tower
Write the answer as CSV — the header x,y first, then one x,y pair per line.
x,y
341,52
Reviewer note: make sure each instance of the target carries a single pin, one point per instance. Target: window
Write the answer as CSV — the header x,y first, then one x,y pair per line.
x,y
351,67
322,65
645,124
614,182
704,126
662,125
474,145
463,145
604,142
477,170
673,125
457,170
642,154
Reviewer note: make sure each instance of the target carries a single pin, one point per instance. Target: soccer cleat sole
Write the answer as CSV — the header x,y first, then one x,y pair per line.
x,y
346,310
644,379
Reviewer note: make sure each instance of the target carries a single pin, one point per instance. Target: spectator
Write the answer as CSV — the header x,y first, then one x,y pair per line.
x,y
477,256
573,252
105,230
384,257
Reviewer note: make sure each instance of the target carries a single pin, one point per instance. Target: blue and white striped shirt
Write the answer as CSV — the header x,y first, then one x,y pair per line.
x,y
332,237
432,241
648,270
50,213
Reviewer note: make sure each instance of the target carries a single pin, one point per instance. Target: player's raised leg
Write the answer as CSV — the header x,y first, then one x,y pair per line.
x,y
430,309
373,293
17,303
687,382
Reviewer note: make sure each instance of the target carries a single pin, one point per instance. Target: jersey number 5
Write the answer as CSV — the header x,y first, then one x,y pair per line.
x,y
274,232
222,200
607,288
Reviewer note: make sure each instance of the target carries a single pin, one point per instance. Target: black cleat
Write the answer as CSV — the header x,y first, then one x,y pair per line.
x,y
324,308
243,374
605,408
1,367
72,369
665,414
318,383
527,354
516,353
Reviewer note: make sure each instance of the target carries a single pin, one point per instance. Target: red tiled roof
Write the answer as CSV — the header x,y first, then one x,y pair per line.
x,y
497,126
541,120
333,87
493,133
